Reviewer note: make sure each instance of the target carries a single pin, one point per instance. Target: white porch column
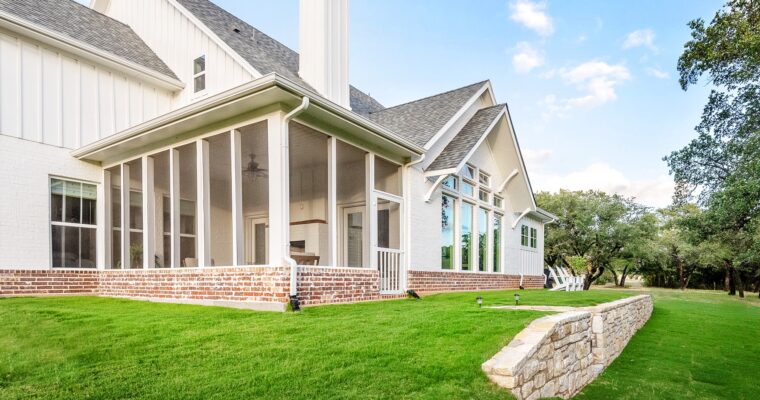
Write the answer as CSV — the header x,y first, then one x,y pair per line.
x,y
174,201
104,225
238,249
371,210
149,213
279,179
332,207
203,211
126,262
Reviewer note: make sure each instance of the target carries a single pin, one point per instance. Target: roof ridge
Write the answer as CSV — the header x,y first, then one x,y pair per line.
x,y
431,96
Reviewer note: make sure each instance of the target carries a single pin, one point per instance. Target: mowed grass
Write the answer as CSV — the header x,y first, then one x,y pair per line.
x,y
101,348
696,345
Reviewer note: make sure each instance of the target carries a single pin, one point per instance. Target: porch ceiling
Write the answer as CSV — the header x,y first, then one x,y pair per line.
x,y
232,107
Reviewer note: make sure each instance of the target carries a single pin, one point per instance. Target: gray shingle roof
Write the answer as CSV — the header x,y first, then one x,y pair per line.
x,y
458,148
264,53
421,119
83,24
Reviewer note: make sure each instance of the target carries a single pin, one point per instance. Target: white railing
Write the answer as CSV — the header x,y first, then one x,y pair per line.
x,y
389,263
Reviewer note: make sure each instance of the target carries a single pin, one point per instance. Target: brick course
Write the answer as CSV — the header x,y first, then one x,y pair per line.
x,y
323,285
450,281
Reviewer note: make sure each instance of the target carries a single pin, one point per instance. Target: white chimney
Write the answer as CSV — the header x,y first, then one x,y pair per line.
x,y
323,44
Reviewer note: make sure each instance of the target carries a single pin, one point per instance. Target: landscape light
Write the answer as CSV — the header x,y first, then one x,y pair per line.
x,y
479,300
517,298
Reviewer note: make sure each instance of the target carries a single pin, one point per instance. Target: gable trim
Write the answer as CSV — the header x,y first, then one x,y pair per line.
x,y
459,113
216,39
88,52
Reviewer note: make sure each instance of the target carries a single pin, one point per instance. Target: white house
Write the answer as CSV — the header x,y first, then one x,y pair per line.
x,y
165,149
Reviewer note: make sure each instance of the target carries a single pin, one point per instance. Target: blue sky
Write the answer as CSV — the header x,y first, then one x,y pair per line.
x,y
591,85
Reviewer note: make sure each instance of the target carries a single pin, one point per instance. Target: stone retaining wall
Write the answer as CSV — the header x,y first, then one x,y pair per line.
x,y
449,281
558,355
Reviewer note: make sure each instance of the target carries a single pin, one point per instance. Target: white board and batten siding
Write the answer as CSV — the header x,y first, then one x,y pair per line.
x,y
178,41
51,97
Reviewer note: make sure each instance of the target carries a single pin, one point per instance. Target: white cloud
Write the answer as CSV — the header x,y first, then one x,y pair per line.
x,y
596,79
532,16
536,156
656,192
657,73
526,58
642,37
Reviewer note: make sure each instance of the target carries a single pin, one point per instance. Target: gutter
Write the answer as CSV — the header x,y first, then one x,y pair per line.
x,y
285,187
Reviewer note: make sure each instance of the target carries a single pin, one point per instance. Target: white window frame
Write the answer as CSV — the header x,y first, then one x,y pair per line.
x,y
65,224
198,93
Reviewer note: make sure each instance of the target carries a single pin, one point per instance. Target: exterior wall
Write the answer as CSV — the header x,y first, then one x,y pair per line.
x,y
557,355
424,251
449,281
178,40
25,198
51,97
327,285
16,282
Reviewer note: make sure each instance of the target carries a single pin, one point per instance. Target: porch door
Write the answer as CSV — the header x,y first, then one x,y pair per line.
x,y
256,244
388,244
352,236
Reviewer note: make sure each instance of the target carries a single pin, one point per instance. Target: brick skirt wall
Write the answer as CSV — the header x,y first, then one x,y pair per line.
x,y
450,281
323,285
19,282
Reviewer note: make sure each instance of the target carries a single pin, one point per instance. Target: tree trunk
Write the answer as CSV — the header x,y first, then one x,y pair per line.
x,y
731,283
688,277
614,276
739,283
592,275
681,280
622,276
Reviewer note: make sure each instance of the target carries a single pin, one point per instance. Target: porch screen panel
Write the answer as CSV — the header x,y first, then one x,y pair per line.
x,y
448,224
135,214
255,177
188,189
162,207
387,176
220,199
466,235
388,224
351,186
115,217
309,230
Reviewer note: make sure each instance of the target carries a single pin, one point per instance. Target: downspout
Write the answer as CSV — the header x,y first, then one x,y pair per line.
x,y
284,154
408,217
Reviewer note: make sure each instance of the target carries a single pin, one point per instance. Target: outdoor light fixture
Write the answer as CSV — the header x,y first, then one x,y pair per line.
x,y
517,298
479,300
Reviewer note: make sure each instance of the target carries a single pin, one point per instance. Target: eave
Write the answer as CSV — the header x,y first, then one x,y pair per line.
x,y
270,89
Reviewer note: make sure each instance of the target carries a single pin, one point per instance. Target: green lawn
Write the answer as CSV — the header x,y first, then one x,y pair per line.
x,y
697,345
87,347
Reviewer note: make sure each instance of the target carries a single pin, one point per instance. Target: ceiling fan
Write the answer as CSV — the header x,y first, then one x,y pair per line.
x,y
252,169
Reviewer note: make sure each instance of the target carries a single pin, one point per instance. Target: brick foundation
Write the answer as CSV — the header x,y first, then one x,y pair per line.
x,y
450,281
323,285
247,287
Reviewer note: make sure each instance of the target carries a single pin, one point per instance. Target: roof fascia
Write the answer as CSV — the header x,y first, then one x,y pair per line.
x,y
87,51
520,156
246,89
462,110
219,42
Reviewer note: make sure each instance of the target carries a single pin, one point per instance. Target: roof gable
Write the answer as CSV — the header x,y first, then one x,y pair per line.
x,y
88,26
420,120
457,150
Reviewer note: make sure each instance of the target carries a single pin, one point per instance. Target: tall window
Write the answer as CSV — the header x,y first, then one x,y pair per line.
x,y
447,232
497,242
72,224
533,237
482,240
524,235
199,74
466,236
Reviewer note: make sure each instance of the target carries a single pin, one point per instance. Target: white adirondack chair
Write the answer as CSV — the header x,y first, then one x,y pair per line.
x,y
560,283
